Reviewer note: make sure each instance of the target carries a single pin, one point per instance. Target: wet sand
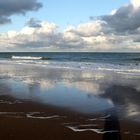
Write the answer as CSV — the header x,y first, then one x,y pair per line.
x,y
21,119
18,122
62,104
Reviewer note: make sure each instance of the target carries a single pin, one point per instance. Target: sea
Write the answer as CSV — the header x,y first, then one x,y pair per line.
x,y
119,62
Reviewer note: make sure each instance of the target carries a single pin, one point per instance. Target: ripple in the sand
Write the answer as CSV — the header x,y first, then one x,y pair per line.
x,y
41,115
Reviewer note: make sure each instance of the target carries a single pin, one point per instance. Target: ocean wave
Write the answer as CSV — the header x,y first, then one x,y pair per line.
x,y
28,58
35,61
136,59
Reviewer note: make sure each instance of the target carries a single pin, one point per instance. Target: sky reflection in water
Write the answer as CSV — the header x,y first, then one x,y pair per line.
x,y
83,91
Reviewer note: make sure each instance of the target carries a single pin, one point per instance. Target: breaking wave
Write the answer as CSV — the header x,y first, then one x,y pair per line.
x,y
28,58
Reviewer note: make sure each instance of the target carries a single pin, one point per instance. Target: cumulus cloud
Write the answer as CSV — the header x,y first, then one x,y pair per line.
x,y
84,37
31,37
12,7
135,3
87,29
117,31
124,20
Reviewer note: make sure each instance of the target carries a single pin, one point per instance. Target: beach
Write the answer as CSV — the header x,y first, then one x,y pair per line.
x,y
30,120
68,103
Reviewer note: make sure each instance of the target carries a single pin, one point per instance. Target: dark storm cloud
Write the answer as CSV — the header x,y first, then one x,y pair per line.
x,y
34,23
12,7
4,20
125,20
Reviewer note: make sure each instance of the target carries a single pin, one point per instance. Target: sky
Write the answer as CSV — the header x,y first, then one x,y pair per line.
x,y
72,25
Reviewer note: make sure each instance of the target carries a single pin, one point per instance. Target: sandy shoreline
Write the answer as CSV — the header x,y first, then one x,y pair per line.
x,y
30,120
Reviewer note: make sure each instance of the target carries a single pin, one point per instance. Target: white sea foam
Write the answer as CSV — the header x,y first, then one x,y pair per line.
x,y
10,102
36,61
98,131
26,57
12,114
33,116
105,117
87,125
91,66
94,119
100,118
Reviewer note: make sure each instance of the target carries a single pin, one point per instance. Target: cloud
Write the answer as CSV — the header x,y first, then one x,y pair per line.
x,y
4,20
117,31
124,20
32,38
135,3
12,7
34,23
86,29
84,37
